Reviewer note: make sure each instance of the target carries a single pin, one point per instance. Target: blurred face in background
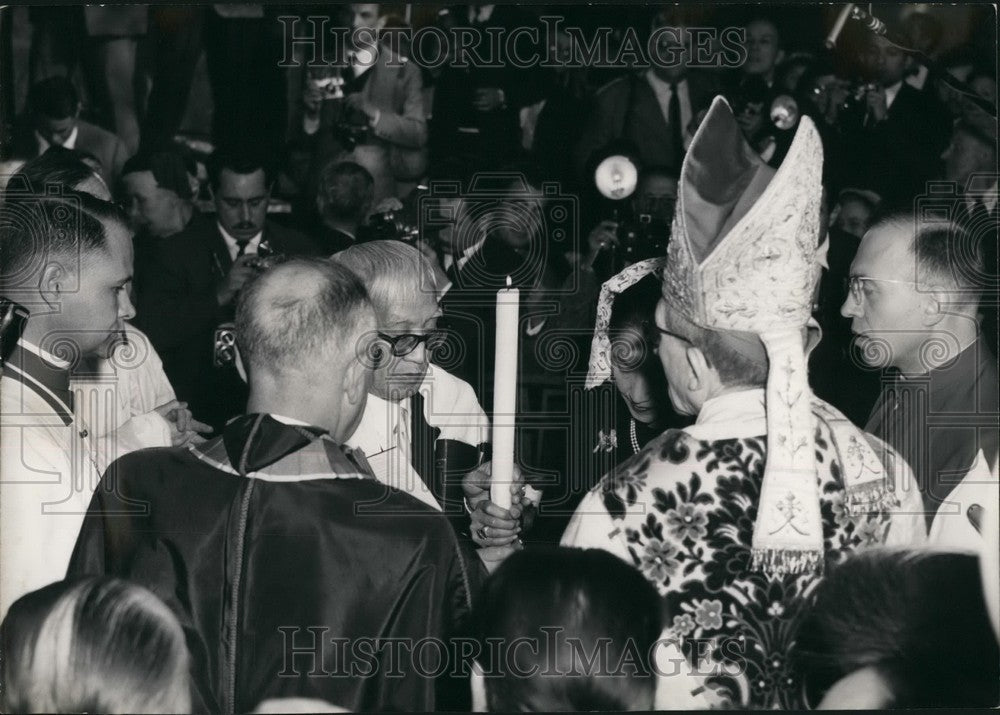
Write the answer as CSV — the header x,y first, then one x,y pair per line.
x,y
364,23
888,63
152,209
55,131
965,156
854,216
673,53
657,196
763,49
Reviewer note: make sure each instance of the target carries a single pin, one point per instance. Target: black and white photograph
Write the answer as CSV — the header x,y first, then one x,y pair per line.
x,y
514,357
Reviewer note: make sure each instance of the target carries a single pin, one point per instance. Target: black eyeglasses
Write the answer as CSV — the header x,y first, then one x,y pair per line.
x,y
406,343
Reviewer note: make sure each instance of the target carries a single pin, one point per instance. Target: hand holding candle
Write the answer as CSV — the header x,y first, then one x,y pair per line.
x,y
505,394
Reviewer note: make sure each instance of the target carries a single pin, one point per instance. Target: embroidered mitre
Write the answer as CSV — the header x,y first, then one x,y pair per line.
x,y
742,257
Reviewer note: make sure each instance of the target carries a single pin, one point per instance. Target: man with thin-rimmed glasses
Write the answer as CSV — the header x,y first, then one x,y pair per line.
x,y
912,297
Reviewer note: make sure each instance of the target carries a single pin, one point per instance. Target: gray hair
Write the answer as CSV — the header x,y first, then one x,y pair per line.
x,y
301,313
97,645
395,274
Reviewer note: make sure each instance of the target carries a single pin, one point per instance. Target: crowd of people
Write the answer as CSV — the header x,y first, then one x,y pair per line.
x,y
248,420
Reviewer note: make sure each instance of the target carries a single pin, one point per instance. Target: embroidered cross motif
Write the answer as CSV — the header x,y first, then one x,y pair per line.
x,y
857,454
790,509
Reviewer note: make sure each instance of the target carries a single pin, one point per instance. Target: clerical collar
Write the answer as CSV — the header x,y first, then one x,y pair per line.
x,y
265,447
733,415
45,374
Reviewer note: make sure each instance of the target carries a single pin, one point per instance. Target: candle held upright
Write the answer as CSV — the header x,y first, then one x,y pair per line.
x,y
505,394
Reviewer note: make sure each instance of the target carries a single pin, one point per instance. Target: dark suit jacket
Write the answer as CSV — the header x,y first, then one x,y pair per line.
x,y
627,108
497,137
896,157
106,147
175,283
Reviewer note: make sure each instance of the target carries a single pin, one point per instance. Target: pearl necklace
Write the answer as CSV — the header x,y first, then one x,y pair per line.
x,y
632,436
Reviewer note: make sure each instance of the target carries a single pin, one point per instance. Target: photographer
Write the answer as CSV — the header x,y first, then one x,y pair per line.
x,y
896,132
368,107
244,238
612,245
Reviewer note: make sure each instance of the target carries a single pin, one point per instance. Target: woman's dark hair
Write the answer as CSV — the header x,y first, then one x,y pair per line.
x,y
632,313
587,624
918,618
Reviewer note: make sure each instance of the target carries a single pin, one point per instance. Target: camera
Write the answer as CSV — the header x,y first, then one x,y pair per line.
x,y
642,236
224,352
391,225
639,236
350,135
266,257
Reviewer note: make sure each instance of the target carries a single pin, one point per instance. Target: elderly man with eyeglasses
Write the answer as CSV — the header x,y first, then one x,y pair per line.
x,y
419,419
912,296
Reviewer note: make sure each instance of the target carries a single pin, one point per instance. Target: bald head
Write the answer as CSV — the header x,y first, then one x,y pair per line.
x,y
301,315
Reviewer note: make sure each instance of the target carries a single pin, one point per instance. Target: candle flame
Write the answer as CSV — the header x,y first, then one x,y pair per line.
x,y
508,281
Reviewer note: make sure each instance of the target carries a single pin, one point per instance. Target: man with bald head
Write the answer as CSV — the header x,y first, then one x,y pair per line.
x,y
287,563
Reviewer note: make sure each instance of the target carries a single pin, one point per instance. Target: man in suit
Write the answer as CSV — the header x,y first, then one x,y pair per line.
x,y
189,269
378,120
898,132
655,112
242,236
53,117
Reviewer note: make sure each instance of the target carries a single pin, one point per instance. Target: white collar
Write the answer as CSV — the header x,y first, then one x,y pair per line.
x,y
45,355
485,12
70,143
731,415
659,83
891,92
233,244
290,420
467,254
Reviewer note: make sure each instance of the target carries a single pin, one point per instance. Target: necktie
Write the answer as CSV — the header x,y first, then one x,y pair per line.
x,y
674,119
422,438
241,247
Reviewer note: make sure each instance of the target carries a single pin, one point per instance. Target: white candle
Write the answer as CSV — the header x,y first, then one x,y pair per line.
x,y
505,395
